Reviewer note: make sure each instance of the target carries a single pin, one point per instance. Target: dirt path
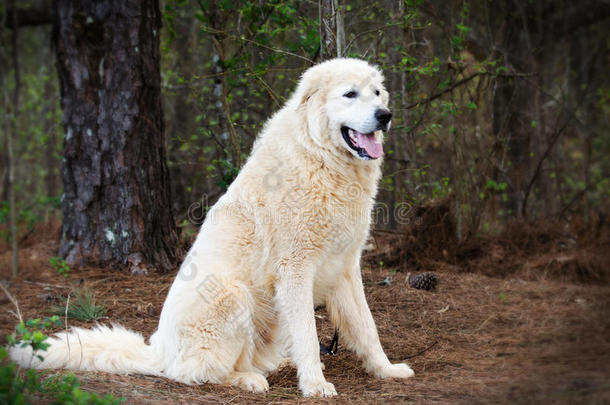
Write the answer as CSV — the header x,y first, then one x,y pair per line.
x,y
488,340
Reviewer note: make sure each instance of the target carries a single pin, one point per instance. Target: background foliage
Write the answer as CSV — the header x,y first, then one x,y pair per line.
x,y
494,105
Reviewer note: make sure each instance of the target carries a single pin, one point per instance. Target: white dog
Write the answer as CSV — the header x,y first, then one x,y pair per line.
x,y
286,236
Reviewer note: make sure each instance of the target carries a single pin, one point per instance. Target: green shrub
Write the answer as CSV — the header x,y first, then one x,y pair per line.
x,y
59,265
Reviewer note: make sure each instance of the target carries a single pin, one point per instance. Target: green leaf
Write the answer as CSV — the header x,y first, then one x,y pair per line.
x,y
464,28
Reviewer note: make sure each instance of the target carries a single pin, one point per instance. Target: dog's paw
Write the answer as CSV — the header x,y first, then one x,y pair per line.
x,y
318,388
400,370
253,382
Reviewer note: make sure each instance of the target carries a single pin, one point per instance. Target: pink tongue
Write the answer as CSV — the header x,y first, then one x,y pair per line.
x,y
369,144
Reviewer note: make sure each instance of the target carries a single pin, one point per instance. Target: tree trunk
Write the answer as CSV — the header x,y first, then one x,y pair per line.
x,y
11,135
51,161
340,29
116,204
219,20
328,29
512,98
582,59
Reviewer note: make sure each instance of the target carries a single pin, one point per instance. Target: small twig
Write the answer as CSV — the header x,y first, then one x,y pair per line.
x,y
66,321
485,321
423,351
276,98
68,333
13,301
277,50
45,284
374,30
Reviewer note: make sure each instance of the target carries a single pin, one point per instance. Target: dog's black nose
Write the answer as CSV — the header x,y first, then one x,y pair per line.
x,y
383,116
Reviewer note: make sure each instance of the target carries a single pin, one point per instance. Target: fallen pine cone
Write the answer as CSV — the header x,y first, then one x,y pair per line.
x,y
424,281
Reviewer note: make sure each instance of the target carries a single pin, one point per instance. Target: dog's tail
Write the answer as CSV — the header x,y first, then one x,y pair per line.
x,y
113,350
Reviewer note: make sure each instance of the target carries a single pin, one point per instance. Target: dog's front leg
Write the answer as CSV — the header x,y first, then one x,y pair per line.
x,y
294,301
350,313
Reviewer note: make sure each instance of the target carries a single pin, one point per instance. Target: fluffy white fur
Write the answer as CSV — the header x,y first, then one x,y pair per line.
x,y
286,236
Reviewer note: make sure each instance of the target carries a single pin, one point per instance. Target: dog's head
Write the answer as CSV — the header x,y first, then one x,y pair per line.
x,y
345,106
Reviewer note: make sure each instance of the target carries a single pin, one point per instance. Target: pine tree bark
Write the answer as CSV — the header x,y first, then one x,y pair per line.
x,y
116,204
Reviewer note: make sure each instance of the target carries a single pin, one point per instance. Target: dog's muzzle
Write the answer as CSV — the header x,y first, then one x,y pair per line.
x,y
383,117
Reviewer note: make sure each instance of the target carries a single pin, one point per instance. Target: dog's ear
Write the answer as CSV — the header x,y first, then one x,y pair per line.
x,y
307,91
306,96
310,98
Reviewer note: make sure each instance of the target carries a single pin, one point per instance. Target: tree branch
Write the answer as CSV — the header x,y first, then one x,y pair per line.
x,y
464,81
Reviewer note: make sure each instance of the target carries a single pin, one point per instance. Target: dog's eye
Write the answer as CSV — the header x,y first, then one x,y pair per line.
x,y
351,94
377,92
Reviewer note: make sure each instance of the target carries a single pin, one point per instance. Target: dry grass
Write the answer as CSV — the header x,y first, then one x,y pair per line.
x,y
489,339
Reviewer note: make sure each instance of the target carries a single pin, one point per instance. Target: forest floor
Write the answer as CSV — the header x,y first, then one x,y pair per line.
x,y
476,339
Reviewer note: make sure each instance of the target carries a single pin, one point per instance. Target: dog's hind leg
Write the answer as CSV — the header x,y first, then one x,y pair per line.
x,y
245,375
216,340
